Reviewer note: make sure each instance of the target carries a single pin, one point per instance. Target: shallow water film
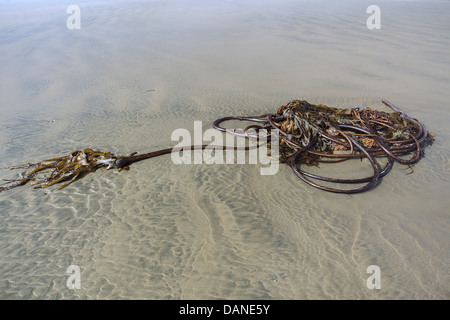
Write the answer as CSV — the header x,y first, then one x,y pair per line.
x,y
124,76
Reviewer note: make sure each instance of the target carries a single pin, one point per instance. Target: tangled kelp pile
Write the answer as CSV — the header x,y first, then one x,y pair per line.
x,y
313,134
309,134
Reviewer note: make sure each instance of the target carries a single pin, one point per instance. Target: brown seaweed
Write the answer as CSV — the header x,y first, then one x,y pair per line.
x,y
309,134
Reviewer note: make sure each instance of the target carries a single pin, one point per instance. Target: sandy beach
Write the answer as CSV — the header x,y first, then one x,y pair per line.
x,y
135,71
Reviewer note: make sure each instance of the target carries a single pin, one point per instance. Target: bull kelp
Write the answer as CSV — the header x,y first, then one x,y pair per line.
x,y
308,135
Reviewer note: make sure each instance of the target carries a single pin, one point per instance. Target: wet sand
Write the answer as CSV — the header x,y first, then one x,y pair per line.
x,y
136,71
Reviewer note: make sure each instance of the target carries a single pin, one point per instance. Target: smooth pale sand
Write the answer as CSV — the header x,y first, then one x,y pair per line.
x,y
136,71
